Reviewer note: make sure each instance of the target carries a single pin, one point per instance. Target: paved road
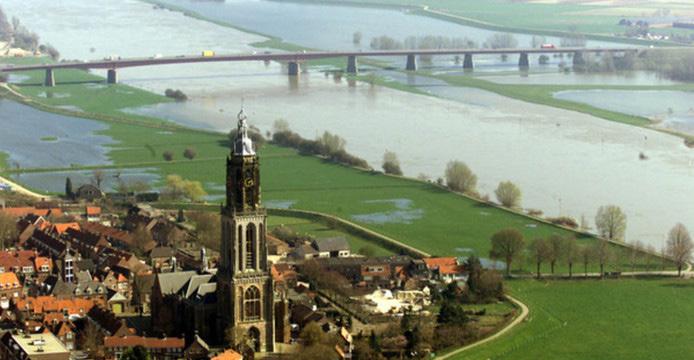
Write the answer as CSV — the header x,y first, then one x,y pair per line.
x,y
520,318
118,63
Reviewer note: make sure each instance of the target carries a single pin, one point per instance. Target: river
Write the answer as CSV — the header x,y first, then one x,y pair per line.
x,y
566,163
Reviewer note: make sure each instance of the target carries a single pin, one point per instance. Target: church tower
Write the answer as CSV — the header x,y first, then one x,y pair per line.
x,y
244,284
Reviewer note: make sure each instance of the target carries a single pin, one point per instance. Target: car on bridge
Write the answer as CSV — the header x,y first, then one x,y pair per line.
x,y
548,46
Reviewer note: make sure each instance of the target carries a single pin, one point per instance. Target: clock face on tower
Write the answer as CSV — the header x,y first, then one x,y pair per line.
x,y
248,182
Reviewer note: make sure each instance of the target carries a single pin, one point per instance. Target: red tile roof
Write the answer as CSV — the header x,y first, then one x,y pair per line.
x,y
61,228
93,210
433,263
146,342
51,304
9,280
445,265
24,211
228,355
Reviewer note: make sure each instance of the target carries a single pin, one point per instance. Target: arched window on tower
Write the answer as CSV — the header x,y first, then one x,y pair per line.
x,y
251,246
251,304
239,248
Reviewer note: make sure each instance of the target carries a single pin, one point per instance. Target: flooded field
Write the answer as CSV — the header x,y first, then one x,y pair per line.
x,y
670,109
34,138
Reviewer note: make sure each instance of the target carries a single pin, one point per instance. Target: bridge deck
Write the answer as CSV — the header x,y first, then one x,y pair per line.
x,y
297,56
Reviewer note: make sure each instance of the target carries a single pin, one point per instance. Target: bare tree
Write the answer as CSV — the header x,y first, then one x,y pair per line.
x,y
541,252
555,243
142,240
459,177
602,254
98,178
611,222
507,245
679,246
571,251
508,194
586,256
8,230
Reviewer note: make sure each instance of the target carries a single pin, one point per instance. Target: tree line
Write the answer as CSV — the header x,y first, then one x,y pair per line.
x,y
510,246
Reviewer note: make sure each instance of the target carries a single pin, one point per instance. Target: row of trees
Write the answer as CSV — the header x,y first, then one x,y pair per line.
x,y
510,246
21,37
422,42
188,153
331,146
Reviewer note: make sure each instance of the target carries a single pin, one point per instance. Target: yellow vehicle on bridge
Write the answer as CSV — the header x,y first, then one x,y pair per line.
x,y
207,53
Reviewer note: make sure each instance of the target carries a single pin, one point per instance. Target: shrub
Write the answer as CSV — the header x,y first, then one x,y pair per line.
x,y
177,94
459,177
508,194
189,153
168,155
391,164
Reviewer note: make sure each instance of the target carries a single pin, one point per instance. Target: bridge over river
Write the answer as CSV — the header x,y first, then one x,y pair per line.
x,y
294,59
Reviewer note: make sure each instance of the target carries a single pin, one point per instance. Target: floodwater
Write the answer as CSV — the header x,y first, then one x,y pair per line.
x,y
565,162
630,78
669,109
28,134
54,182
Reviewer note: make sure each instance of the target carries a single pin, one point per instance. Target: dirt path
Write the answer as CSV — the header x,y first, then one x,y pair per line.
x,y
520,318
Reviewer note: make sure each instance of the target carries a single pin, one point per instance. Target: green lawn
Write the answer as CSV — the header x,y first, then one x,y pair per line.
x,y
610,319
321,231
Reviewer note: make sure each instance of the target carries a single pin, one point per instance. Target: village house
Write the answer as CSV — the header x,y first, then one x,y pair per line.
x,y
10,288
158,349
446,269
335,247
44,346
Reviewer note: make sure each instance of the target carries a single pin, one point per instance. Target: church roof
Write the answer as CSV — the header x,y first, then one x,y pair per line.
x,y
173,283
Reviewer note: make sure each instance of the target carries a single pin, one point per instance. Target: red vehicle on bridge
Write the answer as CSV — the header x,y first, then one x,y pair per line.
x,y
547,46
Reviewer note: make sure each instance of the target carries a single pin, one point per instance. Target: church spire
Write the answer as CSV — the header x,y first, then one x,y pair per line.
x,y
243,145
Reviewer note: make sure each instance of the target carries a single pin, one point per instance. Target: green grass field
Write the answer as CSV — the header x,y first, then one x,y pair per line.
x,y
611,319
321,231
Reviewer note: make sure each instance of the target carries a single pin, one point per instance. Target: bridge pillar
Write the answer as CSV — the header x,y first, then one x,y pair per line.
x,y
523,62
293,68
50,78
467,62
578,59
411,63
352,65
111,76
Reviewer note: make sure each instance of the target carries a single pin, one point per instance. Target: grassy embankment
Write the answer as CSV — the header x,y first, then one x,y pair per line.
x,y
597,22
319,231
442,223
611,319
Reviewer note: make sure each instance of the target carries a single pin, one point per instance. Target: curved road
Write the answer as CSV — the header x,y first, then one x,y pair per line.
x,y
523,315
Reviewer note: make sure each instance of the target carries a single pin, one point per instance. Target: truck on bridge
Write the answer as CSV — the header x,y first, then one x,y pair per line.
x,y
207,53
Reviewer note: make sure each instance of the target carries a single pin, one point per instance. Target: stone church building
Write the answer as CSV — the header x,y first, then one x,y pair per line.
x,y
240,298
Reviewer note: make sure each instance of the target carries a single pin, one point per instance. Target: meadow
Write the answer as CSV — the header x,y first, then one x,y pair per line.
x,y
610,319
